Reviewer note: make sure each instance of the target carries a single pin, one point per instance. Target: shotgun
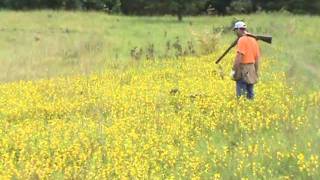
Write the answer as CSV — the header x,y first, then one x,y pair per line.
x,y
267,39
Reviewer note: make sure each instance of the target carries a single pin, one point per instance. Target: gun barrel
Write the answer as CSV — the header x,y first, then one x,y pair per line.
x,y
226,52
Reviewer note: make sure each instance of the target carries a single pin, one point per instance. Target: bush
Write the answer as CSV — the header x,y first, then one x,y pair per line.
x,y
208,41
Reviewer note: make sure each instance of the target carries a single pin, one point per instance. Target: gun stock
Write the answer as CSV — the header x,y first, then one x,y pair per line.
x,y
264,38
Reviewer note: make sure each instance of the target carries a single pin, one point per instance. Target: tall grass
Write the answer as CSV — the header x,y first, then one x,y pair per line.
x,y
45,44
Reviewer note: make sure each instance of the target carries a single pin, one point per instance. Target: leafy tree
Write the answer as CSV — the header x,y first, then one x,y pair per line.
x,y
241,6
176,7
133,6
72,4
14,4
220,5
313,6
182,7
113,5
304,6
271,5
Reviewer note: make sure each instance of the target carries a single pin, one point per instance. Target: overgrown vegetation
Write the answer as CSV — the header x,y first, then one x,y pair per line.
x,y
46,44
176,7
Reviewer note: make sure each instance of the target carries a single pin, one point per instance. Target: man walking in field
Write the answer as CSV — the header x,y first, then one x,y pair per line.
x,y
246,63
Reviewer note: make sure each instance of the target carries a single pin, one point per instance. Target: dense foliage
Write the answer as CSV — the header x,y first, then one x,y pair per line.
x,y
178,7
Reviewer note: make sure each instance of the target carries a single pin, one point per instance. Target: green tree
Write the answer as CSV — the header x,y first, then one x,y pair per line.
x,y
241,6
304,6
22,4
133,6
176,7
113,5
219,5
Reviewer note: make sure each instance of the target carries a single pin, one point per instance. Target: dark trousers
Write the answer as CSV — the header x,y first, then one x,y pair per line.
x,y
244,88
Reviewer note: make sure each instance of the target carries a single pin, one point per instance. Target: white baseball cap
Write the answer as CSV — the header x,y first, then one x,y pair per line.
x,y
239,25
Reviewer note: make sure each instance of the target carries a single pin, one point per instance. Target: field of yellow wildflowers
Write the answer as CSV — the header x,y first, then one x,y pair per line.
x,y
158,120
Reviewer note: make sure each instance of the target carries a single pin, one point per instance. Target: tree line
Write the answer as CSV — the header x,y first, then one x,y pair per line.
x,y
176,7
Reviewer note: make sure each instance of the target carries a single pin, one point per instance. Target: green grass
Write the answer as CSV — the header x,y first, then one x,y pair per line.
x,y
46,44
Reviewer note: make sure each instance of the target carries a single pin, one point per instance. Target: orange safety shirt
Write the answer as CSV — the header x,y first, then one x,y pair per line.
x,y
249,48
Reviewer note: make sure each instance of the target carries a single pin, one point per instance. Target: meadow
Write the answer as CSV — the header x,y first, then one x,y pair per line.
x,y
46,44
78,102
